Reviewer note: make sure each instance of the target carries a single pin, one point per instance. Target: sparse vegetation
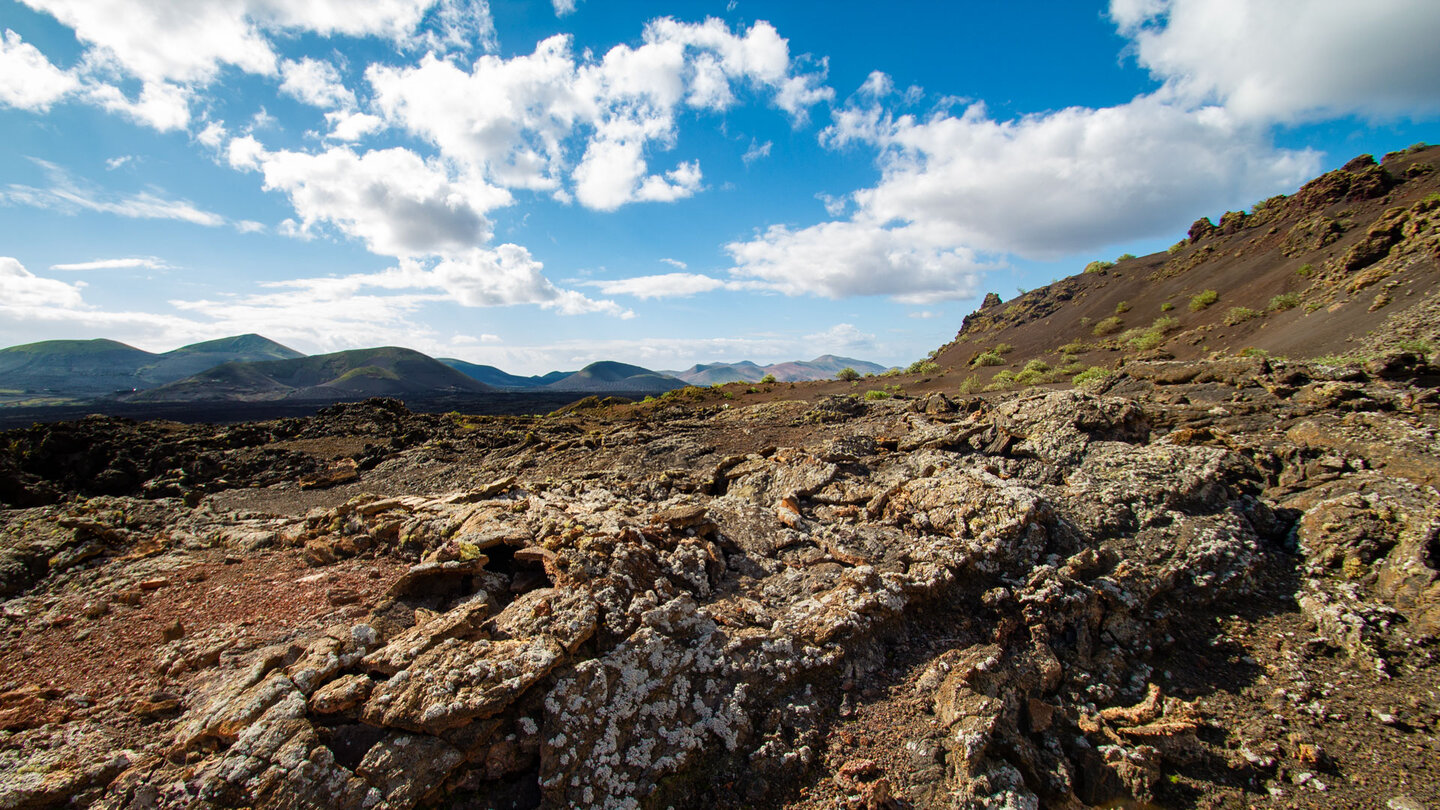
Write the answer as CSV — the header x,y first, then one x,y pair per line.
x,y
1203,299
1178,246
847,374
1108,326
1122,307
873,394
1166,307
1305,270
1001,381
971,385
1098,266
1239,315
1284,301
1075,347
1124,257
1003,348
1312,306
767,379
990,358
1092,377
923,367
1033,373
1251,351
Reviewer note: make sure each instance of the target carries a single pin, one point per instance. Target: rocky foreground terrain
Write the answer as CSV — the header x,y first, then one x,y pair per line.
x,y
1192,583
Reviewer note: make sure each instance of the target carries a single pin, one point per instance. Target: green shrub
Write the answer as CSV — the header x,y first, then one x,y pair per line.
x,y
923,367
1178,246
874,394
1305,270
1091,377
767,379
1146,340
1075,347
1037,365
1284,301
1238,315
990,358
1124,257
1109,326
847,374
1165,324
1166,307
1003,348
971,385
1312,306
1098,266
1203,299
1122,307
1251,351
1001,381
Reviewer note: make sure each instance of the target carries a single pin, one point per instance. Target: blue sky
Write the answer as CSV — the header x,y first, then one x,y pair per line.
x,y
538,185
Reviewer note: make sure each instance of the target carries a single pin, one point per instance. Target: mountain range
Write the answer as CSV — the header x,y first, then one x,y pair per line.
x,y
252,368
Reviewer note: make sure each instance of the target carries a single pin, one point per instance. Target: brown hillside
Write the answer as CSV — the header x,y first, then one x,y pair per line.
x,y
1346,263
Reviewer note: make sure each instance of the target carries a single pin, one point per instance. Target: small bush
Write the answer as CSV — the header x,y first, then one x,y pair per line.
x,y
990,358
1109,326
923,367
1305,270
1001,381
1075,347
1238,315
1203,299
971,385
1251,351
1098,266
1165,323
1312,306
1178,246
1091,377
767,379
1124,257
1122,307
1284,301
1146,339
1166,307
874,394
847,374
1003,348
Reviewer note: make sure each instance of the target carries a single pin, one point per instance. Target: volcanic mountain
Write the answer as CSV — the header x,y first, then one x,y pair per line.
x,y
387,371
821,368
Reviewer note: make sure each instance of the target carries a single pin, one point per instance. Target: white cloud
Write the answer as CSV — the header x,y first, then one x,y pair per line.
x,y
664,285
842,337
756,151
213,135
563,7
675,263
348,125
516,122
111,164
161,105
909,263
22,290
1071,180
27,79
149,262
396,202
316,83
68,196
1286,60
456,25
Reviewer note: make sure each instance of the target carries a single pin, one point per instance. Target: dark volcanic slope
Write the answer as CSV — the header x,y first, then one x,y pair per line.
x,y
609,376
195,358
1354,254
493,376
388,371
81,366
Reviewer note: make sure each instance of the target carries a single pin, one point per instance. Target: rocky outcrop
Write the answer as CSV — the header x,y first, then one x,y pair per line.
x,y
696,615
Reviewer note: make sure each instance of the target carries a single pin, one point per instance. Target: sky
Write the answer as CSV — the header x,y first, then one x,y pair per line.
x,y
540,185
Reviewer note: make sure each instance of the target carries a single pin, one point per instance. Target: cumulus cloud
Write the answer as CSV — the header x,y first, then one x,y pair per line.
x,y
27,79
21,289
148,262
1290,60
393,200
842,337
563,7
910,263
316,83
517,121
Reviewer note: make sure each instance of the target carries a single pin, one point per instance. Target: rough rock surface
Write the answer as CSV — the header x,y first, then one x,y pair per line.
x,y
1211,584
